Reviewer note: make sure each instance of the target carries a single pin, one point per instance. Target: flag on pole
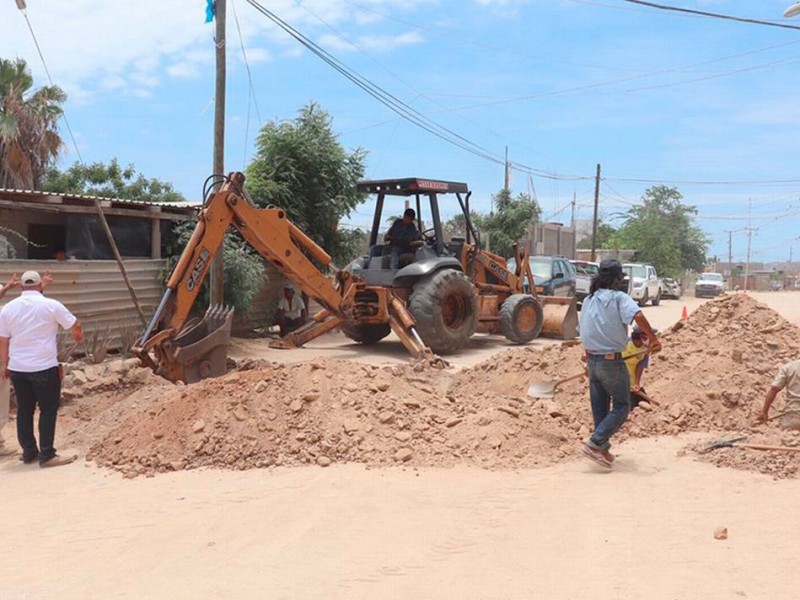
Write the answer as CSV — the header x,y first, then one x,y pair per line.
x,y
209,11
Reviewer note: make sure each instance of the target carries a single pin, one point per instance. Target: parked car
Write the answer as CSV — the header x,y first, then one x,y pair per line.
x,y
709,284
645,284
552,275
584,272
670,288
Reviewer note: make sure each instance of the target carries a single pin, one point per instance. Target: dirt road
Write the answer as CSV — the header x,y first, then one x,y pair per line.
x,y
643,531
391,351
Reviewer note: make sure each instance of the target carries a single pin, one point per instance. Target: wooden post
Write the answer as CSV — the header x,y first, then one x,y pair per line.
x,y
594,220
217,265
155,238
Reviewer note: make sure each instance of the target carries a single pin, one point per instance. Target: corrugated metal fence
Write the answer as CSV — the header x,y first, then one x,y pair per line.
x,y
95,291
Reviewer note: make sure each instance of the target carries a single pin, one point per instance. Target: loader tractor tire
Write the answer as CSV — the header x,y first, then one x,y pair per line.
x,y
365,333
445,308
521,318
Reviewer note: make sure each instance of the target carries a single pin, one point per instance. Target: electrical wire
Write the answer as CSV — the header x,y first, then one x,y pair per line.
x,y
50,79
398,106
251,96
703,13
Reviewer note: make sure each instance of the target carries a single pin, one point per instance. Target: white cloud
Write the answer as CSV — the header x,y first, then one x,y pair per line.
x,y
95,46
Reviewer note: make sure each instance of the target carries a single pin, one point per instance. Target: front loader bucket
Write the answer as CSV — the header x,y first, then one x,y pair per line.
x,y
201,350
560,317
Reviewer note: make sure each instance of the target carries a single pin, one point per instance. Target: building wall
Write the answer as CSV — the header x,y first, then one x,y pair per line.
x,y
18,221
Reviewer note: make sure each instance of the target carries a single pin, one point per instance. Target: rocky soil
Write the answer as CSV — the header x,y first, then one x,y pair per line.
x,y
710,377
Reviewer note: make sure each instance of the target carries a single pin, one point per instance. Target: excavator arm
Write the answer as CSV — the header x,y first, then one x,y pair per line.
x,y
189,352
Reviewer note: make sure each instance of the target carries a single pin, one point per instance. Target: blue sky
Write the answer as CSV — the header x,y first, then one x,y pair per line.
x,y
565,84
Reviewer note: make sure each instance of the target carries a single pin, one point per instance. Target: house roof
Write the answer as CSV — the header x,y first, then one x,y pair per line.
x,y
78,203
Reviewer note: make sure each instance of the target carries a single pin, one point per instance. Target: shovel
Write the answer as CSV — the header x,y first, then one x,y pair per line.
x,y
734,443
547,389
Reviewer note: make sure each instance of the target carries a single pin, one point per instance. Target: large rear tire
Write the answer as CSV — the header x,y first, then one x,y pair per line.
x,y
521,318
365,333
445,308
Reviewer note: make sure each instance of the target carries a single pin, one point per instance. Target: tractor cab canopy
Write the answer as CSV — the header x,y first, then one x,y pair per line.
x,y
411,186
417,187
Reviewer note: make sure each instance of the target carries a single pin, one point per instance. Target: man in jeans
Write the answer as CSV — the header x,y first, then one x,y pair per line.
x,y
28,330
605,316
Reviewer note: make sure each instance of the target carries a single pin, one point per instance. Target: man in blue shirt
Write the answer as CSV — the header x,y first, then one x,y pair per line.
x,y
605,316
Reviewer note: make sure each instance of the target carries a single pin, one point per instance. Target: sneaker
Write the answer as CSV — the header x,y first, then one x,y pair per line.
x,y
609,457
58,461
596,456
29,459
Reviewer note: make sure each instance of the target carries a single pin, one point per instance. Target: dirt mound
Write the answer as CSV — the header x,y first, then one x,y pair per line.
x,y
778,464
711,376
329,411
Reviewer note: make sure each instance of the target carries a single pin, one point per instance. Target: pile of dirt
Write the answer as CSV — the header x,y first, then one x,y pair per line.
x,y
329,411
711,376
778,464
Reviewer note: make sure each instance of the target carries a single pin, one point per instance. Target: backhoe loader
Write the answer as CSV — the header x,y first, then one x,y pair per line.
x,y
440,295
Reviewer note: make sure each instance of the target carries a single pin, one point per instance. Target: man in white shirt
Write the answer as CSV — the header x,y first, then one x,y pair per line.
x,y
28,331
291,311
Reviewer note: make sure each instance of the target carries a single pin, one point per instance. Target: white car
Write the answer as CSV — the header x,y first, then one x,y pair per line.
x,y
645,284
709,284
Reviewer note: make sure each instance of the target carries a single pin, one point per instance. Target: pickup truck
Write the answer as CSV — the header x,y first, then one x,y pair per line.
x,y
645,284
584,272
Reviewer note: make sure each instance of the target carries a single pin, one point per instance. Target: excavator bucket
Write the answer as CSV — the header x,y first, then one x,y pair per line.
x,y
560,317
200,350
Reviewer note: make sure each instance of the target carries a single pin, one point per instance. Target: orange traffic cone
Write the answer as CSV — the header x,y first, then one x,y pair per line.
x,y
684,314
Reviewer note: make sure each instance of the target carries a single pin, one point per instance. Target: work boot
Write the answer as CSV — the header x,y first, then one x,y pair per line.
x,y
29,459
57,461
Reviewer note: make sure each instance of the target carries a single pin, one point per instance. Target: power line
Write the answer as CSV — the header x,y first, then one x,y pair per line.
x,y
703,13
50,79
398,106
251,95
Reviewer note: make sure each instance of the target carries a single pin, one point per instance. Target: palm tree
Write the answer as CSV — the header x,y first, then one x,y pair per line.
x,y
29,139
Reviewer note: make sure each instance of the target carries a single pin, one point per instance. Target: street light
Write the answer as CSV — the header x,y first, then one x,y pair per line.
x,y
792,11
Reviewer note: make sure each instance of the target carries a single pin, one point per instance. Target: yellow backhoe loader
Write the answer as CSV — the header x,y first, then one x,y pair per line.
x,y
438,296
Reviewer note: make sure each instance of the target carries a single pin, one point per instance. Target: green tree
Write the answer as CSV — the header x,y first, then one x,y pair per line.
x,y
110,180
662,232
29,139
509,220
605,232
300,166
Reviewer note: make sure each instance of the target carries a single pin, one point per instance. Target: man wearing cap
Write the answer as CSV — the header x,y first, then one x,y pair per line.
x,y
605,316
28,330
291,311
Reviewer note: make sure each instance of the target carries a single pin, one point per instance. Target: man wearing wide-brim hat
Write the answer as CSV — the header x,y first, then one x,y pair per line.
x,y
28,347
605,316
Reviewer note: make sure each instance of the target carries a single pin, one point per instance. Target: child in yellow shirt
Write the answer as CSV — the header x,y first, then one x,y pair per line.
x,y
637,360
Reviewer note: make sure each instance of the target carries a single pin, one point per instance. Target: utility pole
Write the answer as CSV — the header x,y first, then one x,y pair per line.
x,y
730,250
749,241
507,179
572,219
594,220
218,265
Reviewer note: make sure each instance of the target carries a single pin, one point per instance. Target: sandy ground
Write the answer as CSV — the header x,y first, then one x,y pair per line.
x,y
643,531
